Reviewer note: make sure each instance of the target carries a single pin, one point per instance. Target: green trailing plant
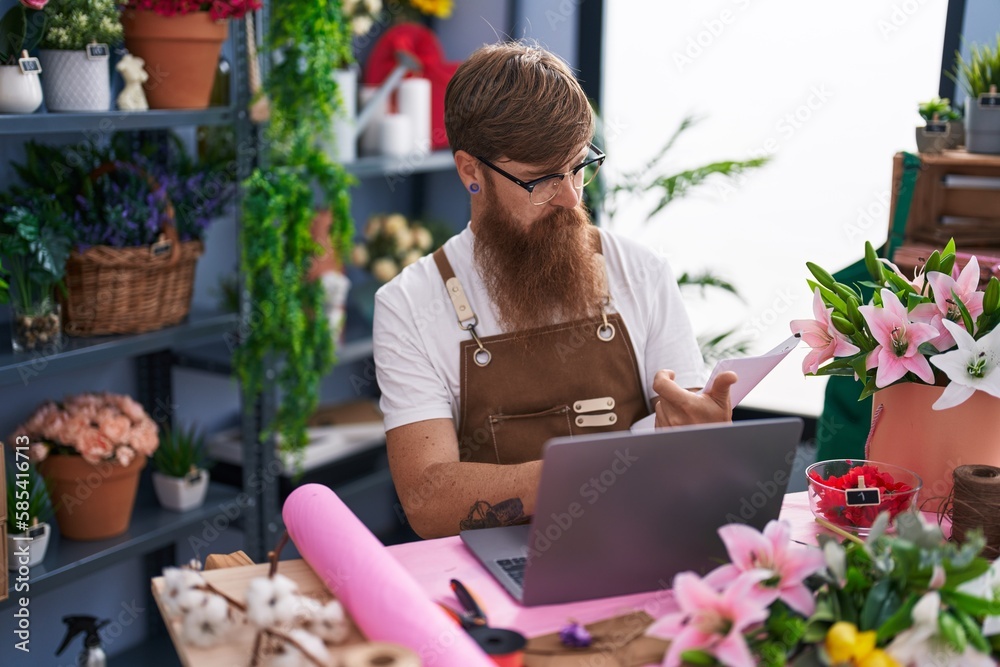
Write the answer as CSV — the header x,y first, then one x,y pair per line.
x,y
181,452
72,24
26,495
981,71
941,106
287,321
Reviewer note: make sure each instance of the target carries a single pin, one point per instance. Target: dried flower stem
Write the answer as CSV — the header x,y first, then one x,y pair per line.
x,y
212,589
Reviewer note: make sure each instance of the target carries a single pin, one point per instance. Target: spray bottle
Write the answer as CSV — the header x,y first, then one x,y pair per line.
x,y
93,653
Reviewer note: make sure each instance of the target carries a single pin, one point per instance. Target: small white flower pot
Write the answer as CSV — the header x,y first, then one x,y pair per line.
x,y
19,93
36,548
180,494
73,82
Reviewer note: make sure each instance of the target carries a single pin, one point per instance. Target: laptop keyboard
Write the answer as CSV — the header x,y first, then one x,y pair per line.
x,y
514,567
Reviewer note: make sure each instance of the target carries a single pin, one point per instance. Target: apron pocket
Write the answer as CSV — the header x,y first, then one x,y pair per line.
x,y
519,438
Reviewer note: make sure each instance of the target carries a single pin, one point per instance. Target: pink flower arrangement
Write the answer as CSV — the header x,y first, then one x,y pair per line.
x,y
939,318
98,427
723,614
218,9
35,4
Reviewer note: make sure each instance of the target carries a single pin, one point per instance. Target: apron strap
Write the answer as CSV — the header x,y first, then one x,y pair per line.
x,y
467,319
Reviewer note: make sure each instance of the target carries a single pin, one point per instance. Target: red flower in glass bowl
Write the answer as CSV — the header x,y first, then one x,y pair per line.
x,y
830,480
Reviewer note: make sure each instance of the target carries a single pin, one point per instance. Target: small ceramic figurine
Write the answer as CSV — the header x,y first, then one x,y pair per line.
x,y
132,97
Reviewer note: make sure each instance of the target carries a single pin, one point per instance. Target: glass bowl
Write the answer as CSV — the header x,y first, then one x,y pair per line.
x,y
830,481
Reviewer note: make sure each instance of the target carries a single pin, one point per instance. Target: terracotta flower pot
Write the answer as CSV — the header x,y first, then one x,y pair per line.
x,y
91,502
181,54
932,443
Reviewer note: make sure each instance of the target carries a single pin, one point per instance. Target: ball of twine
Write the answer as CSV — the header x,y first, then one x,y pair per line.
x,y
975,505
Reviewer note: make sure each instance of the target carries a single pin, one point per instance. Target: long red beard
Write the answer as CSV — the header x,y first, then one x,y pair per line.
x,y
539,275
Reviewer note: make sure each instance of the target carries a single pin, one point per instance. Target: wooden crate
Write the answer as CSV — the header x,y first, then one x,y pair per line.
x,y
957,195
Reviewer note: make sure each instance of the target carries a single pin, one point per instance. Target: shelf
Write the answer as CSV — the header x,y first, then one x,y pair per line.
x,y
380,165
111,121
216,357
152,527
83,352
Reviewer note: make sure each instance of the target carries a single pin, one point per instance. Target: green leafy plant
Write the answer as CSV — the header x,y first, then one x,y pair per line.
x,y
72,24
20,29
981,71
288,324
181,452
941,106
35,237
26,494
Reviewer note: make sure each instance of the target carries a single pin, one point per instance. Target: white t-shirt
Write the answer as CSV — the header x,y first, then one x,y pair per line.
x,y
417,336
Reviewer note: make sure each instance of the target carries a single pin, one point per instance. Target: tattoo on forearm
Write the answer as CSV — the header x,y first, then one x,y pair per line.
x,y
484,515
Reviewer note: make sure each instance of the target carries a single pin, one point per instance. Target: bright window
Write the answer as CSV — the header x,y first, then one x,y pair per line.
x,y
829,90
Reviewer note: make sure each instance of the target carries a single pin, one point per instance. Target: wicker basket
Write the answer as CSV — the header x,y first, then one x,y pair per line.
x,y
130,290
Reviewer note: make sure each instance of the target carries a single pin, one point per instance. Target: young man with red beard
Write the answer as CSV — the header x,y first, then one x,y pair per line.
x,y
531,323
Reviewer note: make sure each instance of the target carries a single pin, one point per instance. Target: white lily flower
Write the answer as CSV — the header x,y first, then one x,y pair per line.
x,y
922,646
972,366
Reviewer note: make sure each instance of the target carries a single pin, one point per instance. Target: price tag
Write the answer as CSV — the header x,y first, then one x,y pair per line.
x,y
936,128
97,51
29,65
989,100
161,247
863,496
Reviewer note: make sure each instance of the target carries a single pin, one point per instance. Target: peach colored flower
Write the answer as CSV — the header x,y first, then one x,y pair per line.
x,y
37,452
116,427
145,437
124,456
131,408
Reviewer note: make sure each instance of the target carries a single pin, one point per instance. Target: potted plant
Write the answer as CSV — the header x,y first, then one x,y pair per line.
x,y
137,226
27,508
279,211
90,448
21,28
75,54
942,127
181,476
928,348
180,42
979,76
35,237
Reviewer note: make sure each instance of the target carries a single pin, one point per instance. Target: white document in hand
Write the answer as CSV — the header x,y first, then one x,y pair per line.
x,y
749,371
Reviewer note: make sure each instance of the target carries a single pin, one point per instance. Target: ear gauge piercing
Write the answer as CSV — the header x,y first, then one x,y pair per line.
x,y
474,188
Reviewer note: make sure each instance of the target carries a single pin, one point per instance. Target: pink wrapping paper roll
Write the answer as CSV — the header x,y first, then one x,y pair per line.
x,y
386,603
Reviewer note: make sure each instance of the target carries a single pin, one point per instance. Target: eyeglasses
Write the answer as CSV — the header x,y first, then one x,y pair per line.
x,y
543,190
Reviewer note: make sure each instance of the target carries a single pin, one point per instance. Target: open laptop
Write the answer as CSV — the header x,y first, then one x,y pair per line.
x,y
622,512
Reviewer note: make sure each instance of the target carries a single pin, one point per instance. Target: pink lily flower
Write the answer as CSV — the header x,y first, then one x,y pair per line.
x,y
711,621
772,551
944,306
820,334
899,340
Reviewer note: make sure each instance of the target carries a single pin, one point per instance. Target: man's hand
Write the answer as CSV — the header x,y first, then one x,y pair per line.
x,y
678,406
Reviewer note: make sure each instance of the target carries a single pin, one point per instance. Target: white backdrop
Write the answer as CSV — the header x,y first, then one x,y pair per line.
x,y
829,90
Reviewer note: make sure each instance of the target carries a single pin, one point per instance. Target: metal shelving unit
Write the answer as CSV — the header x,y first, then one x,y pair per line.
x,y
79,353
151,528
154,119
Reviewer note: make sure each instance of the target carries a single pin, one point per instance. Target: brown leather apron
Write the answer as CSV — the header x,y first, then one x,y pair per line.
x,y
519,390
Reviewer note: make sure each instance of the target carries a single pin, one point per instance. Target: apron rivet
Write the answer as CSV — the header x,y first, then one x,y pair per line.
x,y
611,418
610,403
577,406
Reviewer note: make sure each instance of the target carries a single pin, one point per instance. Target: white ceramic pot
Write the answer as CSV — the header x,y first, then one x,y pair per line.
x,y
19,93
73,82
180,494
37,546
